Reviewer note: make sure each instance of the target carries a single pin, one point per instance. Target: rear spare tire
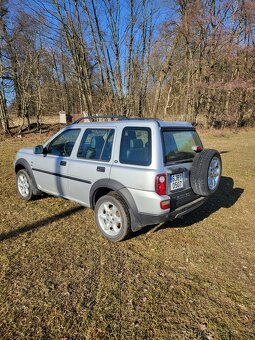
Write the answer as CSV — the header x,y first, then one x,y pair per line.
x,y
205,173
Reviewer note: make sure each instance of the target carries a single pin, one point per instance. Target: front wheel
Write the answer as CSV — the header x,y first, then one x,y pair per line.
x,y
24,185
112,217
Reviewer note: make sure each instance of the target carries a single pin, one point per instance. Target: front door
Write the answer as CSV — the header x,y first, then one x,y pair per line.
x,y
51,170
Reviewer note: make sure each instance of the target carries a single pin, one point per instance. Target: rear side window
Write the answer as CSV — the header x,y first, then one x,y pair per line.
x,y
178,145
135,146
96,144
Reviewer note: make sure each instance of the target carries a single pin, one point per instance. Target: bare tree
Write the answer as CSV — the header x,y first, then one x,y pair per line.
x,y
108,56
3,106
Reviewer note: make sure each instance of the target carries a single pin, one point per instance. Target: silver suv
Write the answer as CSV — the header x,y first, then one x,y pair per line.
x,y
132,172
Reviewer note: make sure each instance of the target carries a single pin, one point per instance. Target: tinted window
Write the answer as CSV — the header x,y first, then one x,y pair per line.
x,y
63,144
96,144
178,145
136,146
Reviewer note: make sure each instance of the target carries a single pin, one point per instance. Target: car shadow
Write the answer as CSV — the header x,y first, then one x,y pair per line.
x,y
39,224
225,197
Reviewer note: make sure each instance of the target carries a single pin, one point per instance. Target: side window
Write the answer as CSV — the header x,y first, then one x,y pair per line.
x,y
96,144
63,144
136,146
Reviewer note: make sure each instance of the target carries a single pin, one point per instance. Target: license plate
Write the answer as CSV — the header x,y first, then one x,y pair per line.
x,y
176,181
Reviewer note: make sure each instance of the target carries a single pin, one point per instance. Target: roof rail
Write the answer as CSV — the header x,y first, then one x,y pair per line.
x,y
99,117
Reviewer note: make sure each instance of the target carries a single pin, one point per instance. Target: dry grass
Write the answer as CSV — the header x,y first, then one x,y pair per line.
x,y
192,278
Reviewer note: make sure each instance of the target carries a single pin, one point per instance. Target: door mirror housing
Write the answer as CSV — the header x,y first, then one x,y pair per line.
x,y
39,149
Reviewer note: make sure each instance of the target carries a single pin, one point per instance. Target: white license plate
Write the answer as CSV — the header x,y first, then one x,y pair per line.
x,y
176,181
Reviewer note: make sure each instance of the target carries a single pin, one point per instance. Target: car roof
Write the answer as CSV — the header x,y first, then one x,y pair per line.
x,y
146,122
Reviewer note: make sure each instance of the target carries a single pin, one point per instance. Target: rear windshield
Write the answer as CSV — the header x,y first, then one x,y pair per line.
x,y
179,145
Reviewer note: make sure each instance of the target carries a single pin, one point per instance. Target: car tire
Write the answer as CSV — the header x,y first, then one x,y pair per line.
x,y
24,185
112,217
205,173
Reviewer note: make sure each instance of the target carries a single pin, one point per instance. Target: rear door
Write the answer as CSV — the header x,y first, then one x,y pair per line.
x,y
179,147
91,163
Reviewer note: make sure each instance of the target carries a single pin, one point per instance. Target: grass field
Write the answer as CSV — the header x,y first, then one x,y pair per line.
x,y
191,278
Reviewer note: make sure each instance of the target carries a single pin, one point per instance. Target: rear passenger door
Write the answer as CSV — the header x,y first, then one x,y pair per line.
x,y
92,162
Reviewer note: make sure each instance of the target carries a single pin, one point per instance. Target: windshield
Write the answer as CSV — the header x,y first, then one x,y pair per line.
x,y
179,145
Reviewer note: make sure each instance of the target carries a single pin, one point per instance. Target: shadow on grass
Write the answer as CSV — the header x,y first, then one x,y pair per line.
x,y
225,197
39,224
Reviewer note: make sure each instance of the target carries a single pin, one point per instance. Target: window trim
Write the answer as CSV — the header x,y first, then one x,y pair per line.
x,y
97,160
149,141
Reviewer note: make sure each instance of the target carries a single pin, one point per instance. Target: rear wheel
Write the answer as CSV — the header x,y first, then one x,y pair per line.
x,y
24,185
205,172
112,217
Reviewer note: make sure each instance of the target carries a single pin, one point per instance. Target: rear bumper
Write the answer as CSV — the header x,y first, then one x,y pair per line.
x,y
149,219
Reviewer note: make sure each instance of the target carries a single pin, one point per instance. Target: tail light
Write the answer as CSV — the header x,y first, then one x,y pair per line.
x,y
165,204
160,184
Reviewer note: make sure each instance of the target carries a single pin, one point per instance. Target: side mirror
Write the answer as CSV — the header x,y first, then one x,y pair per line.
x,y
39,149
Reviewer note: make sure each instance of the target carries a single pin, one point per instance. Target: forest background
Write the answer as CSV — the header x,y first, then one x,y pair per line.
x,y
176,60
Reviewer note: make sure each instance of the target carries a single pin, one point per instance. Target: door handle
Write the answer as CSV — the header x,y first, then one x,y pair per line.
x,y
63,163
101,169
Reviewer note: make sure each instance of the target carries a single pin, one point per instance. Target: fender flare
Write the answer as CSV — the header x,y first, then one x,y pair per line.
x,y
26,165
124,193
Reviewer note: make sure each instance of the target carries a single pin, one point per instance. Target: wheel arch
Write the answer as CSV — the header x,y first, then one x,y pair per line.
x,y
98,193
21,164
104,186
